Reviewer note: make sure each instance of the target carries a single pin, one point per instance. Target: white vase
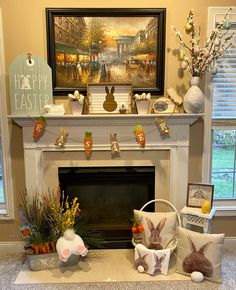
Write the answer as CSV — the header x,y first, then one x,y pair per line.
x,y
194,100
76,108
142,106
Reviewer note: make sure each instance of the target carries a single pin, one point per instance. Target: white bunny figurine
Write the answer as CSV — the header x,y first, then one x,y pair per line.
x,y
70,244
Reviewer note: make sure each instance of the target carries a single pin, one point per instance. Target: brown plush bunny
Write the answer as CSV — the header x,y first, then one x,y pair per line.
x,y
196,260
157,267
110,104
140,261
154,238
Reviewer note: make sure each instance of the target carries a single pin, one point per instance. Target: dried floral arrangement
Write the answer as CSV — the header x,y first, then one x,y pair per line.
x,y
198,59
46,216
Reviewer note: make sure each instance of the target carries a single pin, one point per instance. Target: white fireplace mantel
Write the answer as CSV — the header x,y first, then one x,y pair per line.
x,y
101,127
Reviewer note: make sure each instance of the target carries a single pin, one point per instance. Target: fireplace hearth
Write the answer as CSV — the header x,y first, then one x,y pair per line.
x,y
108,195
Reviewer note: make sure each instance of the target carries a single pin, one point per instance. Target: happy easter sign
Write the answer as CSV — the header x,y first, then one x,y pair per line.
x,y
30,85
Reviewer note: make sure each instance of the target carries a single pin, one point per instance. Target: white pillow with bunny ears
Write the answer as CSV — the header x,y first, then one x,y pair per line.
x,y
199,252
152,262
159,228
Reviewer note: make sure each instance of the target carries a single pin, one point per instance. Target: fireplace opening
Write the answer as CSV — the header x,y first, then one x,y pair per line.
x,y
108,195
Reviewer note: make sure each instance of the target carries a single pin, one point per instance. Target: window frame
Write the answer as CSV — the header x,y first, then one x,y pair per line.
x,y
6,208
224,207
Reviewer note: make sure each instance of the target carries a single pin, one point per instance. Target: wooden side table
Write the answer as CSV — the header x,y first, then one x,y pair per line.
x,y
194,216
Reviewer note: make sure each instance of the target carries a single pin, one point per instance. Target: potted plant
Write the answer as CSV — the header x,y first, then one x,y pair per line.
x,y
198,59
46,217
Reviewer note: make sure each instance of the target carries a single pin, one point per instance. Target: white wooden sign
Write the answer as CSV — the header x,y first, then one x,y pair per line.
x,y
30,85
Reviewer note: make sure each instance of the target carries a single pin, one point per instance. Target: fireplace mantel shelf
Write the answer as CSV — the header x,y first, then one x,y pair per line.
x,y
44,151
131,119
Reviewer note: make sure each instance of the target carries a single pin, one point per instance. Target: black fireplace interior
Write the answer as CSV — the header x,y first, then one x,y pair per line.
x,y
108,195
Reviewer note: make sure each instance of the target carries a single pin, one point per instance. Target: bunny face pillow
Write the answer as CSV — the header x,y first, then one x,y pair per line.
x,y
70,244
159,228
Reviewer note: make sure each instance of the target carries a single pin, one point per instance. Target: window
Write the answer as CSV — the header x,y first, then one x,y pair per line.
x,y
6,194
220,119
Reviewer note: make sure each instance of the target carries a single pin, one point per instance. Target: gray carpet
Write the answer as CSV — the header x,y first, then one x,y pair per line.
x,y
10,265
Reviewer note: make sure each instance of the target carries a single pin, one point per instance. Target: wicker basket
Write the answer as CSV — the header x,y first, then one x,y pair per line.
x,y
173,246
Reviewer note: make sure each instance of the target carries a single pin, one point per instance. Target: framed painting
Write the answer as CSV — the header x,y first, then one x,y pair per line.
x,y
198,193
106,46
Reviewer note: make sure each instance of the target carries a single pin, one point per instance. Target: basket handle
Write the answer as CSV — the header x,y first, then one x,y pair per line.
x,y
166,202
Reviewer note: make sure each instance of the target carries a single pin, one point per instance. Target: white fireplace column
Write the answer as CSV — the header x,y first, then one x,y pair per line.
x,y
101,127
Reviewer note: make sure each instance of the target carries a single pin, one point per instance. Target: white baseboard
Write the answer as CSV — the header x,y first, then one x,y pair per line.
x,y
17,247
230,243
11,247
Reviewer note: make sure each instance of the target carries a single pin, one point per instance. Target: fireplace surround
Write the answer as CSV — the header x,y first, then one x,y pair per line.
x,y
168,155
107,197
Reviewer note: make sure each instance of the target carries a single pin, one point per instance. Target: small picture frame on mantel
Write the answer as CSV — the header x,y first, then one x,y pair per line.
x,y
198,193
107,98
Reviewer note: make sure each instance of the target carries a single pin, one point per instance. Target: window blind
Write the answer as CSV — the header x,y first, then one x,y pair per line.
x,y
224,83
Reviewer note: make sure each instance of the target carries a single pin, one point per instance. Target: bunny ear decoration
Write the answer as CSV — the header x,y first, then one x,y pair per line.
x,y
106,89
112,89
203,248
161,224
192,246
150,224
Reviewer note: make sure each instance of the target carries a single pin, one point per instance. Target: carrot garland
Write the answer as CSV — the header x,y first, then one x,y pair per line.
x,y
140,136
39,128
88,143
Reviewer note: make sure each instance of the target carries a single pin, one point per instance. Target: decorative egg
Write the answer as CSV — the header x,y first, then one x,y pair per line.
x,y
217,42
181,56
206,53
196,50
188,28
214,70
197,277
183,65
227,24
140,269
206,207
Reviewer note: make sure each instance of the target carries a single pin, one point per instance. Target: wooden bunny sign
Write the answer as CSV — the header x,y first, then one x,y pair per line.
x,y
110,104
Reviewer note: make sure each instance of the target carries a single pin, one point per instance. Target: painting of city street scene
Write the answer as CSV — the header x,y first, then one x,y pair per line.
x,y
106,46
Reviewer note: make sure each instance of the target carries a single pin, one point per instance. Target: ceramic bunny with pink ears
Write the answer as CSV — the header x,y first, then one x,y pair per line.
x,y
70,244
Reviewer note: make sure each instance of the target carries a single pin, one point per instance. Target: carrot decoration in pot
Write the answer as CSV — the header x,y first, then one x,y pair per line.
x,y
138,130
39,128
88,143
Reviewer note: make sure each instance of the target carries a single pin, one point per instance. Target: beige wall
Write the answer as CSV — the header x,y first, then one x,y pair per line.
x,y
25,31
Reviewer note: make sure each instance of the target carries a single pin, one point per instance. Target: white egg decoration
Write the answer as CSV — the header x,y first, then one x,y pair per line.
x,y
140,269
197,277
217,42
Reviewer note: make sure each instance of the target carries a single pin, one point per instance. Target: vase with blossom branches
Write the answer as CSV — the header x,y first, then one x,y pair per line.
x,y
198,59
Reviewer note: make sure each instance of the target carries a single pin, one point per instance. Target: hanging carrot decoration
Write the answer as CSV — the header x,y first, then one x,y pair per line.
x,y
138,130
88,143
39,128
